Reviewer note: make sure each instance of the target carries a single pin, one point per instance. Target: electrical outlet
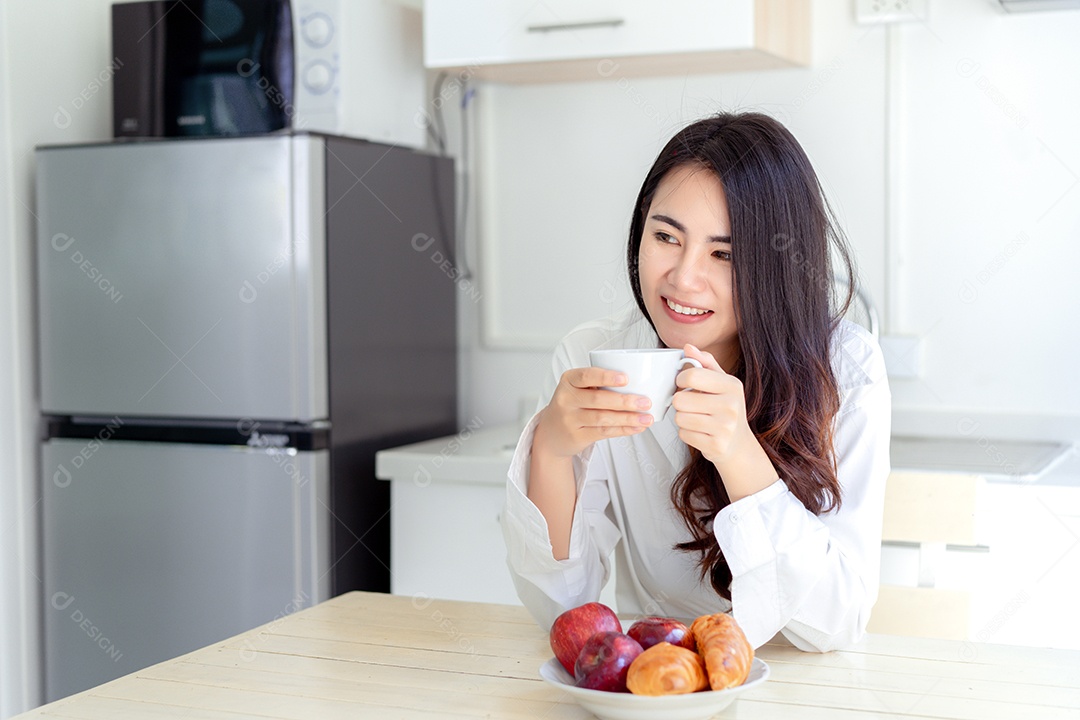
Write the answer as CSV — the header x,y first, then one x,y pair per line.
x,y
873,12
903,355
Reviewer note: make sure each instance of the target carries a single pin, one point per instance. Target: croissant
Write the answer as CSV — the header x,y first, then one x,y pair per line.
x,y
666,669
728,655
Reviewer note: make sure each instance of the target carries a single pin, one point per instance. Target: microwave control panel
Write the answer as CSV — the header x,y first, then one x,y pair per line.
x,y
317,30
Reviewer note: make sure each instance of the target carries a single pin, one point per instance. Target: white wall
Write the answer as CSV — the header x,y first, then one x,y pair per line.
x,y
17,648
562,164
54,52
992,209
986,198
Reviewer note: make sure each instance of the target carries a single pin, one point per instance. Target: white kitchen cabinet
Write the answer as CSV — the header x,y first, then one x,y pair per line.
x,y
1004,572
1030,591
1005,555
446,541
446,495
560,40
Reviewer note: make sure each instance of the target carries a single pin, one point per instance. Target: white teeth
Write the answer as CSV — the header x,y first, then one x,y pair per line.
x,y
684,310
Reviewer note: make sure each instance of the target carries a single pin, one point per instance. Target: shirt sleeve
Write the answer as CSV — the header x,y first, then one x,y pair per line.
x,y
546,586
815,578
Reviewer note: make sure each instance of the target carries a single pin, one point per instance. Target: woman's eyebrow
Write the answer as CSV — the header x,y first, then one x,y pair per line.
x,y
682,228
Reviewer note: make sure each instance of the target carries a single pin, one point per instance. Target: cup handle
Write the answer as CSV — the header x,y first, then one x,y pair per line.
x,y
682,362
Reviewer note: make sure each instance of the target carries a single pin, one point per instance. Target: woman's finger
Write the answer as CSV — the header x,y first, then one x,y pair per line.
x,y
713,425
707,380
713,399
613,431
611,418
611,400
705,358
696,439
594,377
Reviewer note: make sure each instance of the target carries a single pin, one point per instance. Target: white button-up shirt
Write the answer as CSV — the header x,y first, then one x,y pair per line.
x,y
813,578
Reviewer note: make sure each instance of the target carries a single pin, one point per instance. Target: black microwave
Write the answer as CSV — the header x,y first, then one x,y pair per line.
x,y
220,67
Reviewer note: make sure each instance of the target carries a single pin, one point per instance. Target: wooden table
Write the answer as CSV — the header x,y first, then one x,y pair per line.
x,y
367,655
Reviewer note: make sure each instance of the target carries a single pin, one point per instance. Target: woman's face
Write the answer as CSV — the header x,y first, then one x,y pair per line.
x,y
685,259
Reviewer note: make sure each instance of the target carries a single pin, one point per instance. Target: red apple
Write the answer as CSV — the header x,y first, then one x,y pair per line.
x,y
605,661
571,629
653,630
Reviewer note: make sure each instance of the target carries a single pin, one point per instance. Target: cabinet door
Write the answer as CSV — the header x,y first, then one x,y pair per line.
x,y
481,32
447,542
1030,594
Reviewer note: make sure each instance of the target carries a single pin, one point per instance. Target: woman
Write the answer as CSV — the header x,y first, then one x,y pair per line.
x,y
761,491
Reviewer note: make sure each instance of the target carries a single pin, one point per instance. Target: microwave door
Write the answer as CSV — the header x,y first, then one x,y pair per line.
x,y
202,67
140,84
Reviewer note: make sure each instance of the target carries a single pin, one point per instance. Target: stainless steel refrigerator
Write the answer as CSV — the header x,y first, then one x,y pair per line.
x,y
229,330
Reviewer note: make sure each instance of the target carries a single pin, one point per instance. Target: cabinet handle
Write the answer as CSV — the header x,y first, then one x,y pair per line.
x,y
949,548
615,22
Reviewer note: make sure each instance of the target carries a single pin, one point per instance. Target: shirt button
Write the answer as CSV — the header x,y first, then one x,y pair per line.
x,y
734,518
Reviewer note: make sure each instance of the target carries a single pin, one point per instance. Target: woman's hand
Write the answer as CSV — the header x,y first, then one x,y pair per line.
x,y
582,412
713,420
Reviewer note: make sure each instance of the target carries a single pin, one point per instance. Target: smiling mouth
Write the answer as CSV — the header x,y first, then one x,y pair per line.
x,y
684,309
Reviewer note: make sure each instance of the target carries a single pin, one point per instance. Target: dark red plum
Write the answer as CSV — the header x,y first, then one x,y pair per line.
x,y
655,630
604,661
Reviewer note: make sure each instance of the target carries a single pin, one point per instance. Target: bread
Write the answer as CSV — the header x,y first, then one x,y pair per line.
x,y
727,653
666,669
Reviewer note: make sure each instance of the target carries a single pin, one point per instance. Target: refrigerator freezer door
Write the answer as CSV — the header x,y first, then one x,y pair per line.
x,y
152,550
183,278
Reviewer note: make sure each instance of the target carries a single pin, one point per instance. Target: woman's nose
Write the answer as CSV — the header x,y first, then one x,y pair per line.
x,y
690,270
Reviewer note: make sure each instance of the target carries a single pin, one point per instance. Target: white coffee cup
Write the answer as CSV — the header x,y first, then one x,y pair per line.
x,y
649,372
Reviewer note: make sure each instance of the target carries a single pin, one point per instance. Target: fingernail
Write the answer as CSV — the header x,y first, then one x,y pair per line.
x,y
644,403
620,379
645,419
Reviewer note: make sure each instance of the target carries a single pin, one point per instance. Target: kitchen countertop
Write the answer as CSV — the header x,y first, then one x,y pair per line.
x,y
481,456
374,655
998,446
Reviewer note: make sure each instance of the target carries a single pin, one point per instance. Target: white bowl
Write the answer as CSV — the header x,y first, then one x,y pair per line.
x,y
627,706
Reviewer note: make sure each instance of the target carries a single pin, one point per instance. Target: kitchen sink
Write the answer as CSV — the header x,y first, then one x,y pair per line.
x,y
995,459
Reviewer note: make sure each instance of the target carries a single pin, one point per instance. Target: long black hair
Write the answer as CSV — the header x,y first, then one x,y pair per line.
x,y
782,236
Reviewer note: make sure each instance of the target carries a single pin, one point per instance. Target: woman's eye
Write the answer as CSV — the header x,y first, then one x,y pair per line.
x,y
663,237
722,255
